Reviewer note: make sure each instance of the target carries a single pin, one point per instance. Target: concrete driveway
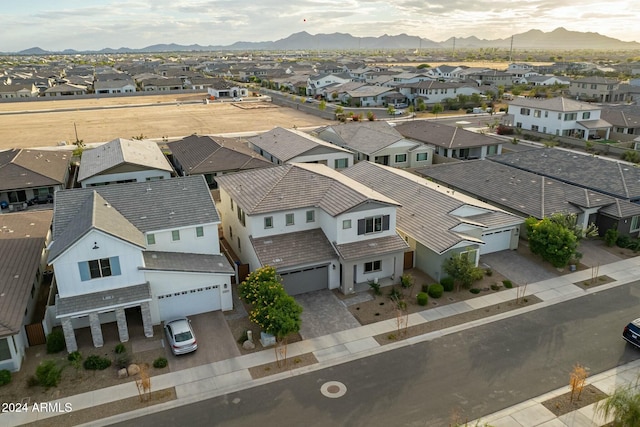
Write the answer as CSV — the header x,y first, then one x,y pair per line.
x,y
323,313
516,267
215,342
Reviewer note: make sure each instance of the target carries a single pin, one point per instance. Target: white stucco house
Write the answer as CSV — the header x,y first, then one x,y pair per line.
x,y
317,227
146,251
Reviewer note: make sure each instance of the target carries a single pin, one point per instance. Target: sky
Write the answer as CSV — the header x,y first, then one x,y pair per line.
x,y
97,24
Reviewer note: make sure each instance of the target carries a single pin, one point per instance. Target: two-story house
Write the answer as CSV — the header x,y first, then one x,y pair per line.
x,y
557,116
146,252
317,227
433,92
123,160
316,82
282,146
595,88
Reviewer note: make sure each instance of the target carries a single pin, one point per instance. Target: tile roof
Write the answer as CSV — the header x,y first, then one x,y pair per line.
x,y
288,250
554,104
207,154
32,168
363,137
144,154
23,237
297,185
426,213
285,144
443,135
113,297
372,247
605,176
186,262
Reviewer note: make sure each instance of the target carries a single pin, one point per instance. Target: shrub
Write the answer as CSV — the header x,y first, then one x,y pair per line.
x,y
243,337
425,287
160,362
122,360
55,341
495,287
32,381
436,290
120,348
623,241
96,363
507,284
488,272
5,377
447,284
422,298
74,356
394,293
406,281
504,130
610,237
48,374
474,290
376,288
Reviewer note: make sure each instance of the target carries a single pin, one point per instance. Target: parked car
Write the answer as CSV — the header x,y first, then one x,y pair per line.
x,y
309,100
631,333
40,199
237,99
180,336
398,112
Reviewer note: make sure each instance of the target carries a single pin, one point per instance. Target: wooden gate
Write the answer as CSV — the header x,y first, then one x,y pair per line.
x,y
243,271
35,334
408,260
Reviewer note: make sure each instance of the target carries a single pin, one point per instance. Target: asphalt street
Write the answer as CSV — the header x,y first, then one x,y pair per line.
x,y
462,376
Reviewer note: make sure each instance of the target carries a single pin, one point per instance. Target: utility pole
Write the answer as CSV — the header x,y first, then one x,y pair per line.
x,y
511,51
454,47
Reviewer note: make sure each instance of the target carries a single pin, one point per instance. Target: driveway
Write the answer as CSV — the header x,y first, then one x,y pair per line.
x,y
215,342
594,253
323,313
516,267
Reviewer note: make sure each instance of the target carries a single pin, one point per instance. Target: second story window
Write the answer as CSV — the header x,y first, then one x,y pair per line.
x,y
241,216
268,222
374,224
97,268
199,231
175,235
151,239
289,219
311,216
346,224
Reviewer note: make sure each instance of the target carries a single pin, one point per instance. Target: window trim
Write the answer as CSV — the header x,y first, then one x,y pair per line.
x,y
151,239
286,219
268,219
312,217
344,224
403,156
175,233
370,267
636,219
426,157
199,232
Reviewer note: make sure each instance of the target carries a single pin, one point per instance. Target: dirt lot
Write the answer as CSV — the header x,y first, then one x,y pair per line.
x,y
25,124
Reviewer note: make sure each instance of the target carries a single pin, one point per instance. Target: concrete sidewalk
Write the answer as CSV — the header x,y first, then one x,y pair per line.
x,y
219,378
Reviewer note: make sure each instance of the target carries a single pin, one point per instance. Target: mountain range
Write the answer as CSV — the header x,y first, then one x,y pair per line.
x,y
558,39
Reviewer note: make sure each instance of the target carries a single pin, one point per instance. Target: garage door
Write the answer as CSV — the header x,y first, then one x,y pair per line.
x,y
187,303
307,280
496,241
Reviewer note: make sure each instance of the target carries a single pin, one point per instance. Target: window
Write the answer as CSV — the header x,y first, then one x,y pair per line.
x,y
231,201
635,223
199,231
534,128
401,158
5,352
570,116
239,245
230,232
525,111
373,224
586,115
470,255
594,86
372,266
97,268
559,116
492,149
346,224
546,114
289,219
268,222
241,216
519,124
175,235
341,163
537,113
311,216
151,239
421,157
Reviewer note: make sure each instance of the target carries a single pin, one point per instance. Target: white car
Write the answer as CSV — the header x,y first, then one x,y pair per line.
x,y
237,99
180,336
398,112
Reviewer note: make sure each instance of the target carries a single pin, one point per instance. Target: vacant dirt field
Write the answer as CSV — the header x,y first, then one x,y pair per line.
x,y
25,124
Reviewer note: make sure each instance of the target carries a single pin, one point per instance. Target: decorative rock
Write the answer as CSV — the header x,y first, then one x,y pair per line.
x,y
267,340
248,345
122,373
133,369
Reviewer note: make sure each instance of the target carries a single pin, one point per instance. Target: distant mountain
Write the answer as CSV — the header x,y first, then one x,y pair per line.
x,y
558,39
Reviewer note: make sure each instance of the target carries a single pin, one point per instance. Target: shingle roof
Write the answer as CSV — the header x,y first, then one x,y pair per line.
x,y
187,262
32,168
285,144
605,176
443,135
146,206
95,300
283,251
23,237
554,104
207,154
366,137
143,154
426,213
297,185
370,247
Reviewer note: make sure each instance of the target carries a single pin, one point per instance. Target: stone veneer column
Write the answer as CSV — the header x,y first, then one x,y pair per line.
x,y
96,329
146,319
69,335
123,330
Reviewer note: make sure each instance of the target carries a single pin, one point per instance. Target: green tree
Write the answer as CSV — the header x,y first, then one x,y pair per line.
x,y
570,221
554,242
437,109
391,109
623,405
371,116
339,109
422,66
421,104
462,269
322,105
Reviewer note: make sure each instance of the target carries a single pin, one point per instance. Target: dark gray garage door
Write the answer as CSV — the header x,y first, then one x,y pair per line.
x,y
307,280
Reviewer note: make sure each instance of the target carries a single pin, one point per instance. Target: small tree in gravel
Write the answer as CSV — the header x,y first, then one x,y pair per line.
x,y
462,270
577,378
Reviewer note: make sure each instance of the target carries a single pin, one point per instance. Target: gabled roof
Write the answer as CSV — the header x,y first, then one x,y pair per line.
x,y
443,135
23,237
285,144
368,90
179,261
554,104
621,118
297,185
207,154
142,154
127,211
288,250
370,247
32,168
363,137
426,214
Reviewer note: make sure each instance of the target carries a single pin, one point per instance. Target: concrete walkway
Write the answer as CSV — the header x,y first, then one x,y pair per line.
x,y
227,376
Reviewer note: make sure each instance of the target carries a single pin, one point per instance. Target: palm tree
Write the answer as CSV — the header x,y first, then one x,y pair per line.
x,y
623,405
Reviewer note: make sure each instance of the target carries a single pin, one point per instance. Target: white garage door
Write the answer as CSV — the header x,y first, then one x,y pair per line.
x,y
187,303
307,280
495,241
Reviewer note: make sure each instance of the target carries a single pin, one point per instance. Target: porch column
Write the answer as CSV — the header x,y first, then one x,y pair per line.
x,y
608,133
146,319
96,330
69,335
123,330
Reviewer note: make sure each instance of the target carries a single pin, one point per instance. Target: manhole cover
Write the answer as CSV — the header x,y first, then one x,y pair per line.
x,y
333,389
